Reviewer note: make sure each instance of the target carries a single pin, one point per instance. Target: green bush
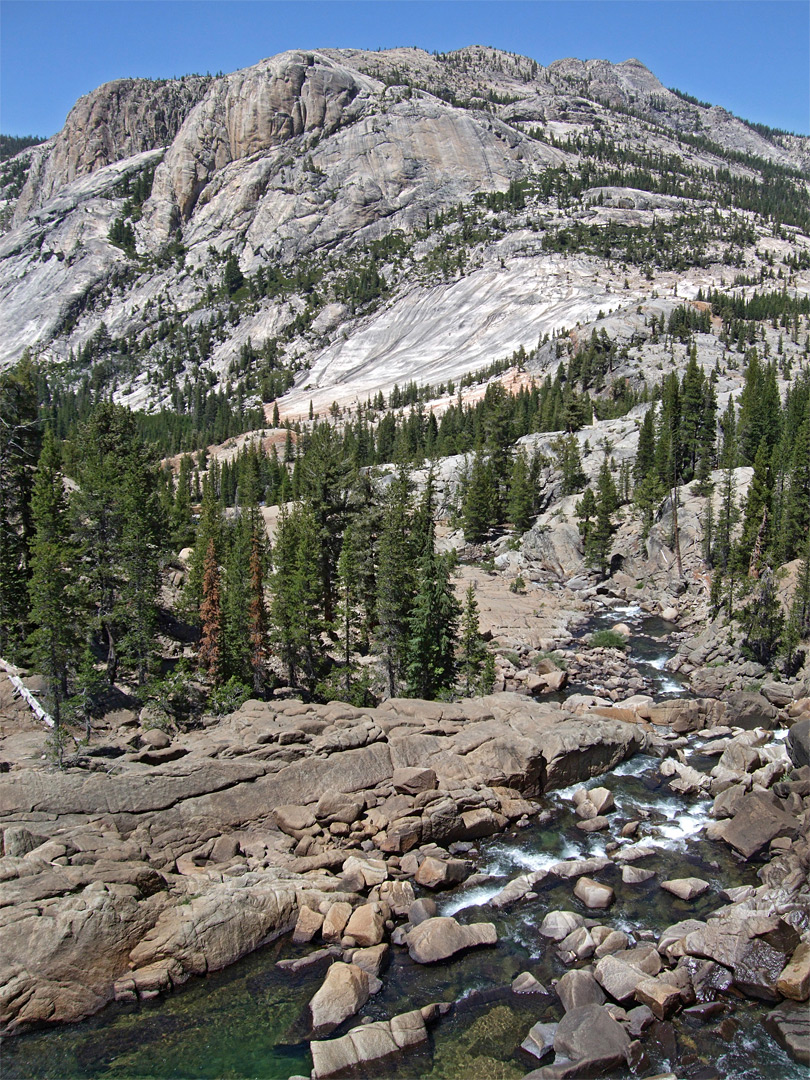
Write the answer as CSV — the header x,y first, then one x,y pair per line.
x,y
228,698
607,639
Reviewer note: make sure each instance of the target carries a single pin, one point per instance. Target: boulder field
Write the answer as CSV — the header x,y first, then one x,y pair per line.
x,y
165,857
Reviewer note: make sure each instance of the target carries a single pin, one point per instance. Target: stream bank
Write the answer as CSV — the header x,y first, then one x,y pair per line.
x,y
245,1021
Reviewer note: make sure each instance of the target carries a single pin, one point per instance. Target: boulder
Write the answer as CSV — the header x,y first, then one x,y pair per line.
x,y
372,871
615,941
618,978
441,873
371,960
225,848
798,743
334,923
750,710
602,799
540,1040
758,821
413,780
790,1027
578,945
307,926
660,996
344,991
590,1033
156,739
294,819
18,841
398,895
755,948
335,806
593,894
368,1043
525,983
686,889
635,875
794,982
577,988
421,909
437,938
366,925
559,924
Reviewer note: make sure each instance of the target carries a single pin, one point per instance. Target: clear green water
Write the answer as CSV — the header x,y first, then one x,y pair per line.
x,y
242,1022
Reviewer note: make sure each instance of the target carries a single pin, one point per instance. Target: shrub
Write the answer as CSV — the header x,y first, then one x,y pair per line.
x,y
228,698
607,639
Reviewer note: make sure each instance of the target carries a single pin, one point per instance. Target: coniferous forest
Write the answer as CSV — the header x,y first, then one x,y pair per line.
x,y
94,515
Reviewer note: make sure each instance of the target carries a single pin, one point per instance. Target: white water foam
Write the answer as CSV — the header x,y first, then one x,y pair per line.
x,y
474,898
630,610
659,663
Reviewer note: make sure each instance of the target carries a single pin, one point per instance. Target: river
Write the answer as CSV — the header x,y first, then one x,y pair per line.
x,y
241,1023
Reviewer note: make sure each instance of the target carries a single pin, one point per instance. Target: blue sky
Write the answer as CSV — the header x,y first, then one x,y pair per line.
x,y
750,56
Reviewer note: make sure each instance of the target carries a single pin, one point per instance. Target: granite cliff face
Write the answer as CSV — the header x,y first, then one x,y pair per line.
x,y
366,195
118,120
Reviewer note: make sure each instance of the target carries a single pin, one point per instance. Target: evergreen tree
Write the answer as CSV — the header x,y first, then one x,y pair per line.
x,y
210,652
569,462
257,616
796,522
296,615
348,587
472,649
521,495
395,584
727,519
54,640
586,512
645,452
181,525
20,438
118,531
232,278
209,527
755,536
762,620
479,509
235,603
597,547
433,628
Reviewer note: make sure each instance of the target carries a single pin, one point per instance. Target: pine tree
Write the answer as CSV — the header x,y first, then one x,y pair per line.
x,y
521,495
20,437
762,620
395,584
257,616
348,584
472,649
727,518
235,604
597,548
479,509
586,512
209,527
433,628
296,615
119,534
54,640
210,651
755,536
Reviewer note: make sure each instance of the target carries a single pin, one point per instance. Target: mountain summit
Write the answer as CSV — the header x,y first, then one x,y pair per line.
x,y
350,218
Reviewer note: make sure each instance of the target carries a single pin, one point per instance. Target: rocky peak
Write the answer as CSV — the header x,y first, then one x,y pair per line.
x,y
249,112
116,121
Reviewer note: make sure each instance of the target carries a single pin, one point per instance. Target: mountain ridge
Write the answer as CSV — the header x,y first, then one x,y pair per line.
x,y
326,171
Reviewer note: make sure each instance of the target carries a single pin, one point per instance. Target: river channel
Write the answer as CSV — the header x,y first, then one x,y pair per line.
x,y
241,1023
